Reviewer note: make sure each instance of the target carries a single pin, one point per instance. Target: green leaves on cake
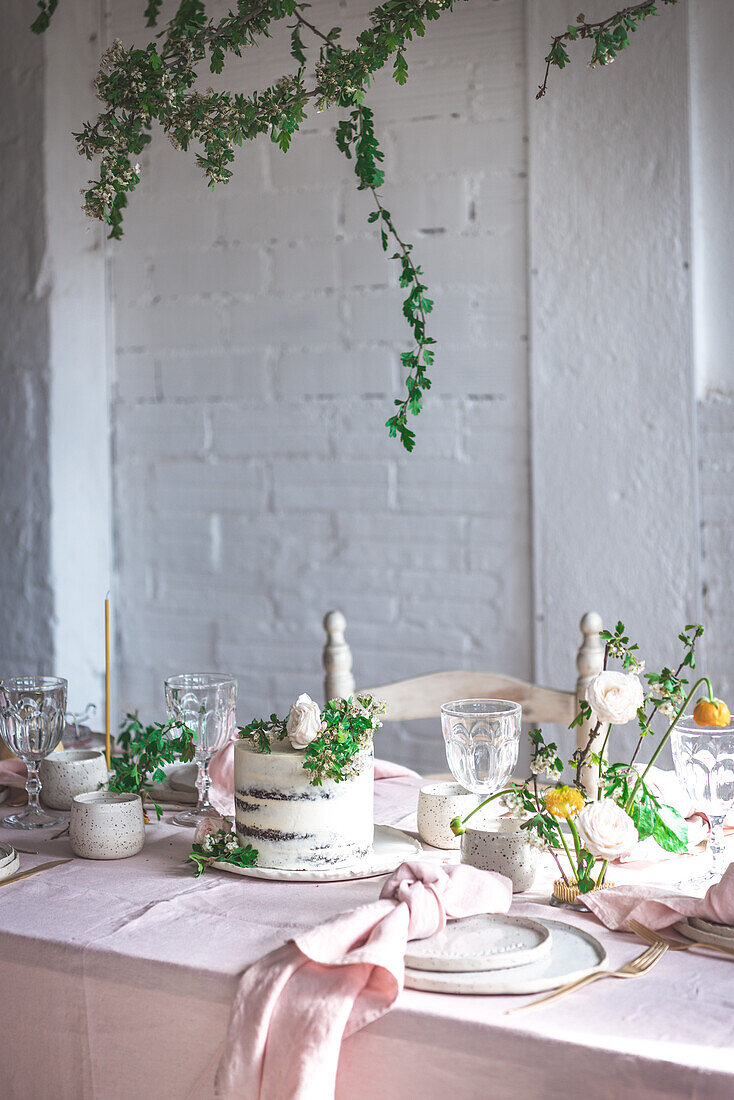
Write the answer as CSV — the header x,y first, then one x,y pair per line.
x,y
331,740
214,841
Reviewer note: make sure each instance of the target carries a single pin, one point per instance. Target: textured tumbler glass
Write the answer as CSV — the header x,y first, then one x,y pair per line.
x,y
32,712
482,740
704,763
205,703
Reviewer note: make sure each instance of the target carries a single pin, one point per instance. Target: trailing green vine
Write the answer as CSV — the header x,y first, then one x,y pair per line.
x,y
159,83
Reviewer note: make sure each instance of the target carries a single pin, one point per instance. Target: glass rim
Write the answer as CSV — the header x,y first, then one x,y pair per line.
x,y
689,726
33,683
205,679
457,708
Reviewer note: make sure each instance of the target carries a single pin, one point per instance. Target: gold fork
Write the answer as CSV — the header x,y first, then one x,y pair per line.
x,y
633,969
648,935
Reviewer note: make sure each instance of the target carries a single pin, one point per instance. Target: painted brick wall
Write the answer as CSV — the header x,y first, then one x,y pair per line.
x,y
716,444
258,331
26,597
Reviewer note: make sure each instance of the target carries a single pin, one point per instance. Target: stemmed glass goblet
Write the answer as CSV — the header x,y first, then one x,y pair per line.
x,y
704,762
482,739
205,703
32,710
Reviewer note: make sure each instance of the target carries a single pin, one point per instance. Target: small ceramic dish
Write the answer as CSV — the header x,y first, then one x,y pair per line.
x,y
104,825
70,772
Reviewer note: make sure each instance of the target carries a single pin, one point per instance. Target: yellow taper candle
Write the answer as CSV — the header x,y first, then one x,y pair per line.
x,y
107,680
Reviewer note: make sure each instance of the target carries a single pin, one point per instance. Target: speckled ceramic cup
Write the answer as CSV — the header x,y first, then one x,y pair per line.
x,y
104,825
70,772
438,803
502,850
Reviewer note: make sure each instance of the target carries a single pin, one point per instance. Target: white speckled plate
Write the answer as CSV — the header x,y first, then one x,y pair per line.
x,y
390,847
724,930
482,942
703,935
573,954
183,777
9,861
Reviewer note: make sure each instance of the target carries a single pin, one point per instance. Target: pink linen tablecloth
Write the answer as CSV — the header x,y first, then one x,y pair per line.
x,y
116,980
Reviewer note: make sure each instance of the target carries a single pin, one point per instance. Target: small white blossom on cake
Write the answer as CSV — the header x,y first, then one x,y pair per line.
x,y
615,696
606,830
304,722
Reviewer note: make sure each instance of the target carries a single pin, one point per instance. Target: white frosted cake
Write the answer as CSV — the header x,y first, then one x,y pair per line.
x,y
293,824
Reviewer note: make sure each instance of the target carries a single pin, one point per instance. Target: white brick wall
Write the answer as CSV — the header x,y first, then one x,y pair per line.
x,y
258,331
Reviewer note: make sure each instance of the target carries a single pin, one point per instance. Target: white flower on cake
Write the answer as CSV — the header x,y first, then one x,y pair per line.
x,y
615,697
304,722
606,830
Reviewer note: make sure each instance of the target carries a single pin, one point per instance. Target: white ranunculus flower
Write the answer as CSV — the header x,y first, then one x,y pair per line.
x,y
606,830
615,696
208,826
304,722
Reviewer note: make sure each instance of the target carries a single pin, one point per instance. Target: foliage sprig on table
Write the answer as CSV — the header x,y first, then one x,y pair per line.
x,y
161,83
627,808
145,750
215,842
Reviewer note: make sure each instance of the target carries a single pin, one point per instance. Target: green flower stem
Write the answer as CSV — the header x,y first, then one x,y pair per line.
x,y
601,762
570,857
703,680
483,804
576,841
602,873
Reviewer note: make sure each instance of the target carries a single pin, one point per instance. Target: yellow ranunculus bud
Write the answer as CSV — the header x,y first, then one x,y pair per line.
x,y
709,712
564,801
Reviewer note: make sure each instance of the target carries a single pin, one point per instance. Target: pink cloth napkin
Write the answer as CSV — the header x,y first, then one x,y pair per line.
x,y
294,1006
385,769
13,773
658,908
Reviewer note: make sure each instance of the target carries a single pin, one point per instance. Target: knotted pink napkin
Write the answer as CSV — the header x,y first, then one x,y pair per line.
x,y
658,908
293,1007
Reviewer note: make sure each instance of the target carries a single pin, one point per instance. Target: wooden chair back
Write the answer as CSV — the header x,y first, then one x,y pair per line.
x,y
422,696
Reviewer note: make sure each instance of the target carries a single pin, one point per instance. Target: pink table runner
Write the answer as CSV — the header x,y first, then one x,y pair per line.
x,y
116,980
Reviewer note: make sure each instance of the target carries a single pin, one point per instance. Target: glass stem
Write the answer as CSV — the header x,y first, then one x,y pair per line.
x,y
33,787
717,847
203,783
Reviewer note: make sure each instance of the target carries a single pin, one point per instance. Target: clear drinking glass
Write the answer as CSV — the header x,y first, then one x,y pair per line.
x,y
482,739
205,702
32,712
704,763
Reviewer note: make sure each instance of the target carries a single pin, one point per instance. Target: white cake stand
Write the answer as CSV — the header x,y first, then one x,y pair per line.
x,y
389,849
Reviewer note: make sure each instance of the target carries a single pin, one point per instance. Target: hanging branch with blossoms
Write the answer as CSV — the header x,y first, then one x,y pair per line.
x,y
161,83
628,807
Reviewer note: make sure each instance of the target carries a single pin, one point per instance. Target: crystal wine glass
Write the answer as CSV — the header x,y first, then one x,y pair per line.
x,y
205,703
32,712
482,739
704,763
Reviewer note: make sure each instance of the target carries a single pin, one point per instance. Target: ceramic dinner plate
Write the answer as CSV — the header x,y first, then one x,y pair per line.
x,y
390,847
9,861
703,935
725,930
482,942
183,777
573,954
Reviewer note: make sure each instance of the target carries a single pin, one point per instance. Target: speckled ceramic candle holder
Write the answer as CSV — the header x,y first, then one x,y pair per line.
x,y
104,825
70,772
503,851
438,804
